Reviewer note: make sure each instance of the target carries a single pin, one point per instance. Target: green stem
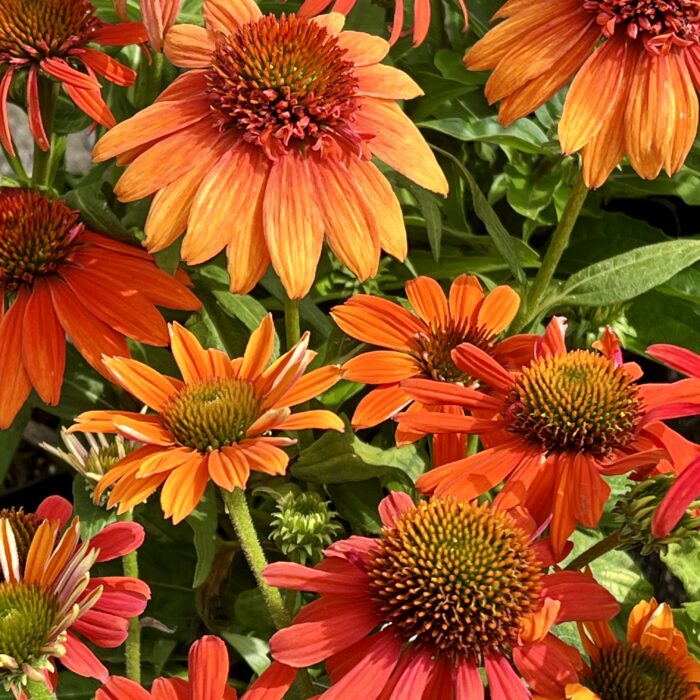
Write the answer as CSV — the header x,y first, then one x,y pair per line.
x,y
292,323
38,690
239,513
15,162
48,95
557,245
612,541
130,565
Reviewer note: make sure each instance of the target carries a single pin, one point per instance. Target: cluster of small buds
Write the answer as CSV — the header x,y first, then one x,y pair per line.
x,y
635,510
303,525
95,460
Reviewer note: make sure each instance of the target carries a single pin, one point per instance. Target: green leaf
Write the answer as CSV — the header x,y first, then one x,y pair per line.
x,y
93,518
358,503
90,200
431,215
214,328
204,521
683,560
10,439
338,458
251,612
253,650
630,274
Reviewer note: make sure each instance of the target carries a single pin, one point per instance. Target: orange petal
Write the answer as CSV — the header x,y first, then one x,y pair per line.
x,y
379,405
15,386
258,350
155,122
345,217
184,488
193,361
379,322
381,367
319,419
397,141
228,205
387,82
429,301
499,309
148,429
227,15
363,49
685,117
292,223
310,386
146,384
237,469
265,458
466,295
39,552
189,46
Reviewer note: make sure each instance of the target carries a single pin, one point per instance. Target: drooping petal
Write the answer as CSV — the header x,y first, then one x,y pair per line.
x,y
15,385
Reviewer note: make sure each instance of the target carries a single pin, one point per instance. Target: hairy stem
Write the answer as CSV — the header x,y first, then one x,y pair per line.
x,y
130,565
557,245
607,544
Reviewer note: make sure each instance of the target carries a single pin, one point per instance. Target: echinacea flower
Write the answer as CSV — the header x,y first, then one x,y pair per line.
x,y
653,664
415,611
212,424
208,667
554,428
686,487
157,17
49,600
421,16
419,343
270,101
636,65
59,279
51,40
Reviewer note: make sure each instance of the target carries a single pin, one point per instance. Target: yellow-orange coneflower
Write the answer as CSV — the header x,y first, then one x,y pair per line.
x,y
54,39
213,424
264,146
636,65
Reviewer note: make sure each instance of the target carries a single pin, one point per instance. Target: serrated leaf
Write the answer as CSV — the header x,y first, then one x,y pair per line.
x,y
630,274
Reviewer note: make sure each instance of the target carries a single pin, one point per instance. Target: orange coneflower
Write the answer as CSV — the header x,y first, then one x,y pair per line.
x,y
653,664
157,16
208,667
213,423
421,16
419,343
57,278
414,612
553,429
637,68
52,38
266,144
49,600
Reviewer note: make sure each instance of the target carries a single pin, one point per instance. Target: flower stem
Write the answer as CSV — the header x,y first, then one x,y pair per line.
x,y
130,565
557,246
239,513
242,522
38,690
15,163
607,544
292,323
41,168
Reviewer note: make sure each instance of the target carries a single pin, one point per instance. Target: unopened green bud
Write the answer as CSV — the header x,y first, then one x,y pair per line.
x,y
302,526
635,510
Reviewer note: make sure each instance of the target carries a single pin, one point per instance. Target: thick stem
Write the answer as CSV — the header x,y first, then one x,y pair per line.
x,y
242,522
607,544
557,245
130,565
38,690
292,323
48,95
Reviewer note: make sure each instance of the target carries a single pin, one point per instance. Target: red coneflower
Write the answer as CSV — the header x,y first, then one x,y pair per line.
x,y
415,613
419,344
49,600
421,16
269,101
157,16
553,429
52,38
212,424
57,278
636,65
653,664
208,667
